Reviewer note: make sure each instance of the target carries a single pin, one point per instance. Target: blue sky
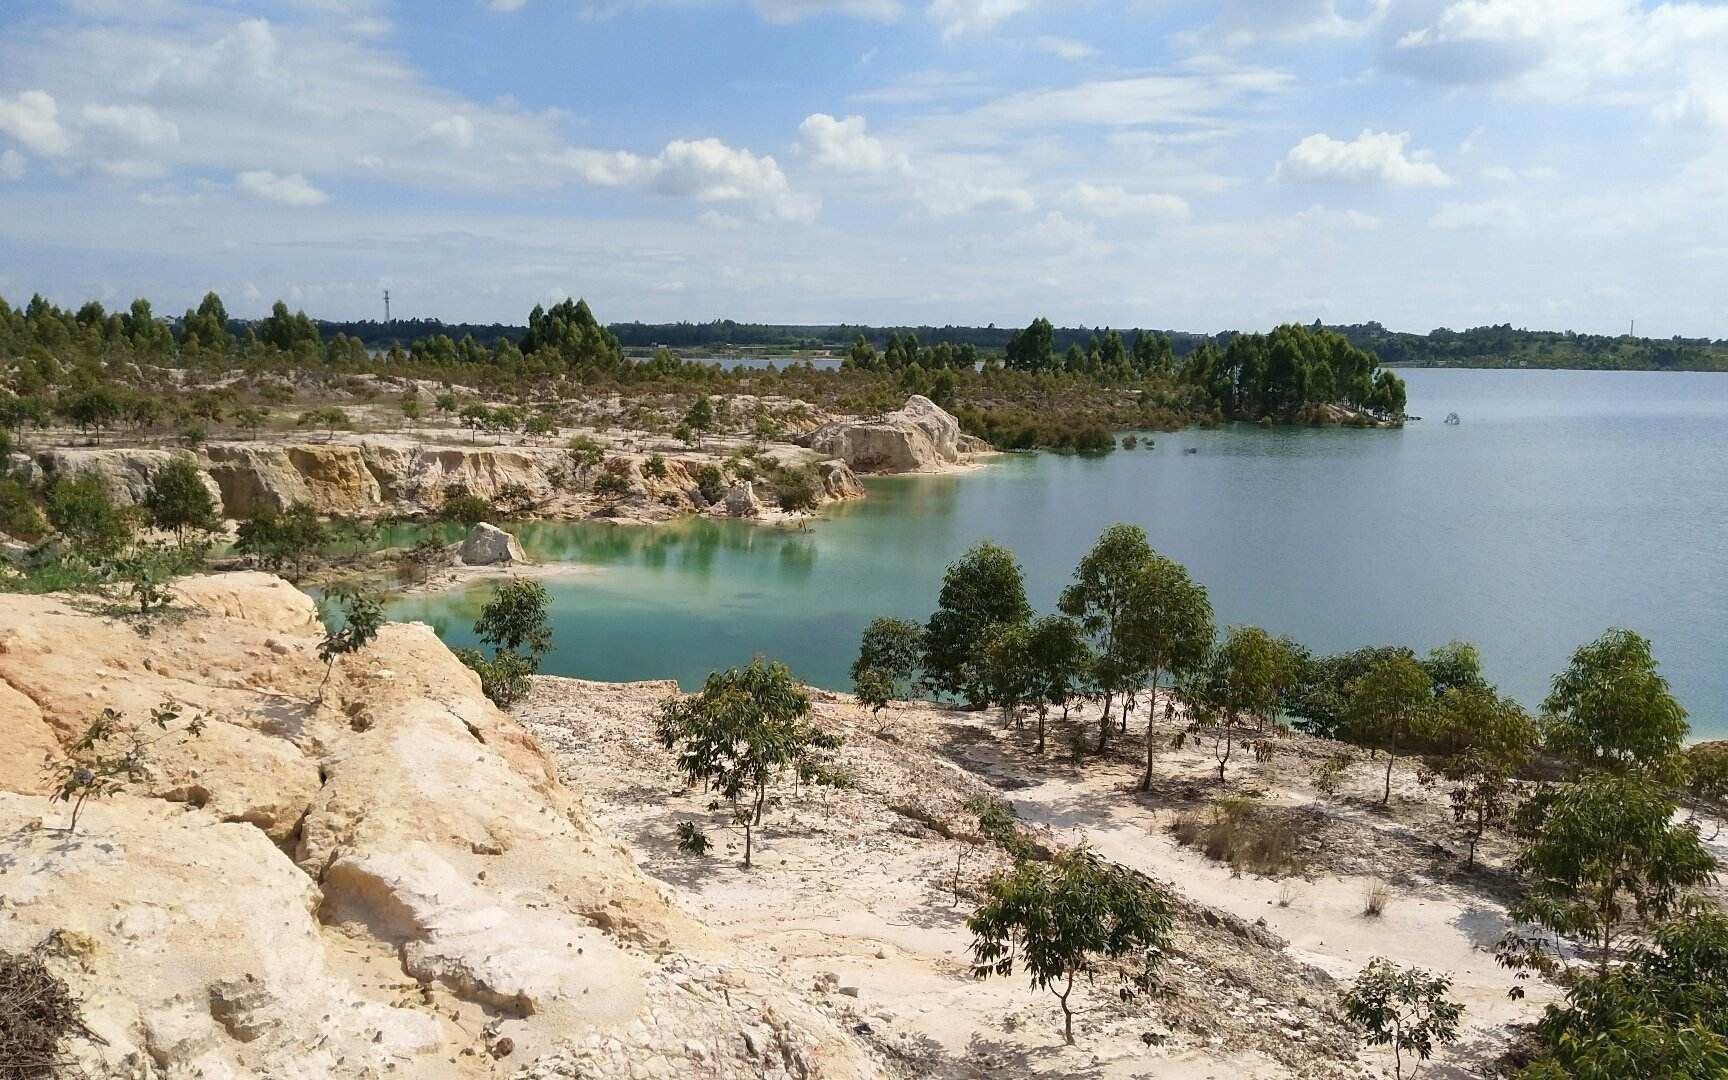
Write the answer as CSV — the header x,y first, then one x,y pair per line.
x,y
1549,163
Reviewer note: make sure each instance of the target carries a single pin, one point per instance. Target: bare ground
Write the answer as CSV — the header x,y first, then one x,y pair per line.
x,y
861,894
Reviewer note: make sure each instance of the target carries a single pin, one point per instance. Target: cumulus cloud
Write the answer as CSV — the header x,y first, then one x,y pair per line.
x,y
1131,102
456,129
33,118
1114,201
706,170
291,189
1063,48
1243,21
11,165
844,146
1373,157
139,124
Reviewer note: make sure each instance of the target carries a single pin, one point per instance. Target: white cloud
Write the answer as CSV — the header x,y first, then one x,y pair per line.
x,y
291,189
951,192
455,129
1244,21
11,164
1372,157
957,17
1113,201
844,146
34,120
786,11
138,124
1063,48
1132,102
706,170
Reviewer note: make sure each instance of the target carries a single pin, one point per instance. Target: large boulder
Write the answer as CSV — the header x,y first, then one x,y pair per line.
x,y
838,480
488,545
126,473
920,436
741,501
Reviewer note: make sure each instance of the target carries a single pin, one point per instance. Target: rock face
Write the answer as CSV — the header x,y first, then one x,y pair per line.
x,y
377,875
918,437
126,473
838,480
741,500
488,545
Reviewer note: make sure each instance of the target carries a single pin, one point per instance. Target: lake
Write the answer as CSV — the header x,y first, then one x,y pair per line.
x,y
1563,503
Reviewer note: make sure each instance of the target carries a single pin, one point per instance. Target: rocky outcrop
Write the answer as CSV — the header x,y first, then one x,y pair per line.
x,y
918,437
838,480
126,473
488,545
741,501
364,870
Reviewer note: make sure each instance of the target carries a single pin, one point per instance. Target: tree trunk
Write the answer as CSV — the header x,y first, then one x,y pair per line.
x,y
1041,710
1104,722
1067,1013
1391,756
747,838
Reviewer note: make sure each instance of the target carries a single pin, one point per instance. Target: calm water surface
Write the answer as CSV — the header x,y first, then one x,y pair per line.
x,y
1564,503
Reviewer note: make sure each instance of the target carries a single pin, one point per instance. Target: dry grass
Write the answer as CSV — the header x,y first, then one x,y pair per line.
x,y
1376,894
38,1015
1245,835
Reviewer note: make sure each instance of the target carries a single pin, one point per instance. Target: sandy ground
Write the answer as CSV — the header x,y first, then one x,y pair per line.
x,y
862,893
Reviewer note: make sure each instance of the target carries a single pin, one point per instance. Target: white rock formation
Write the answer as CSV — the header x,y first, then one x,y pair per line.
x,y
918,437
488,545
126,473
741,501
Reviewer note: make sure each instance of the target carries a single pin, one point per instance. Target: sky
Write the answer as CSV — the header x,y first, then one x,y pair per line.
x,y
1195,166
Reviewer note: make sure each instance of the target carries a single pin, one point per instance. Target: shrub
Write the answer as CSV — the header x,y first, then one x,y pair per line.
x,y
467,509
586,452
692,840
177,500
283,539
80,508
505,679
1404,1008
655,467
711,482
1245,835
110,753
1376,894
19,517
611,486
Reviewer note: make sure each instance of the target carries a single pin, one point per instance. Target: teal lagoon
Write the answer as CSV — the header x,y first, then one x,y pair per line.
x,y
1562,504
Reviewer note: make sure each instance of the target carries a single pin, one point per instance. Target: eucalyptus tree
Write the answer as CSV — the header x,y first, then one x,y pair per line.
x,y
1007,667
889,658
1388,707
1489,739
982,590
1168,625
1103,593
1059,660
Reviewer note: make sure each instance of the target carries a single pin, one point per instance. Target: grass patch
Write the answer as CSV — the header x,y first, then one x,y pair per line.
x,y
1244,834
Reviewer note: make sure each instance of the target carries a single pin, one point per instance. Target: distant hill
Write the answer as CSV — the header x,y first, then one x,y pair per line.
x,y
1482,346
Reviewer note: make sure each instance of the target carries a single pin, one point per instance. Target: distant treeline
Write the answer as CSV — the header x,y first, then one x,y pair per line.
x,y
1481,346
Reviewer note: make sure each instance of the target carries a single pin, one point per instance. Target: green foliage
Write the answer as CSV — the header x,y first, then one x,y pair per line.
x,y
281,540
1168,630
464,507
655,467
980,591
1662,1013
1404,1008
1005,666
889,658
177,500
1078,916
516,619
711,482
586,452
1598,855
505,679
699,418
692,840
1389,706
1610,710
743,728
1058,661
797,491
111,753
361,617
19,517
611,486
1490,738
80,508
328,417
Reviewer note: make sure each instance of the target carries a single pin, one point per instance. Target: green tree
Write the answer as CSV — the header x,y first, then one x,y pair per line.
x,y
361,616
19,517
516,619
1101,597
1404,1008
80,508
797,492
328,417
1664,1013
1490,738
1599,855
93,409
250,420
1005,664
177,499
699,418
1389,706
1610,710
1058,660
1168,625
889,657
281,540
1077,916
983,589
1032,349
743,728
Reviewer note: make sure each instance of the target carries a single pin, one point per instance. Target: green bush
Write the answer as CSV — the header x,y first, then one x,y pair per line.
x,y
19,517
80,508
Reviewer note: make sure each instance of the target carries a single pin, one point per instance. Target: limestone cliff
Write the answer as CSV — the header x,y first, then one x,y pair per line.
x,y
376,876
920,436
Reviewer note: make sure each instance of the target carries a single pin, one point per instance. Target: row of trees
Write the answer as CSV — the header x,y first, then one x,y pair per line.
x,y
1604,859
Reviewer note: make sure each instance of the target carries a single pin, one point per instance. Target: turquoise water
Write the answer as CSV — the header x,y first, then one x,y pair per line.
x,y
1564,503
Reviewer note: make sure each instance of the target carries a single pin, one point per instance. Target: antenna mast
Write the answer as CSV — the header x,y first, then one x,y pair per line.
x,y
386,305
